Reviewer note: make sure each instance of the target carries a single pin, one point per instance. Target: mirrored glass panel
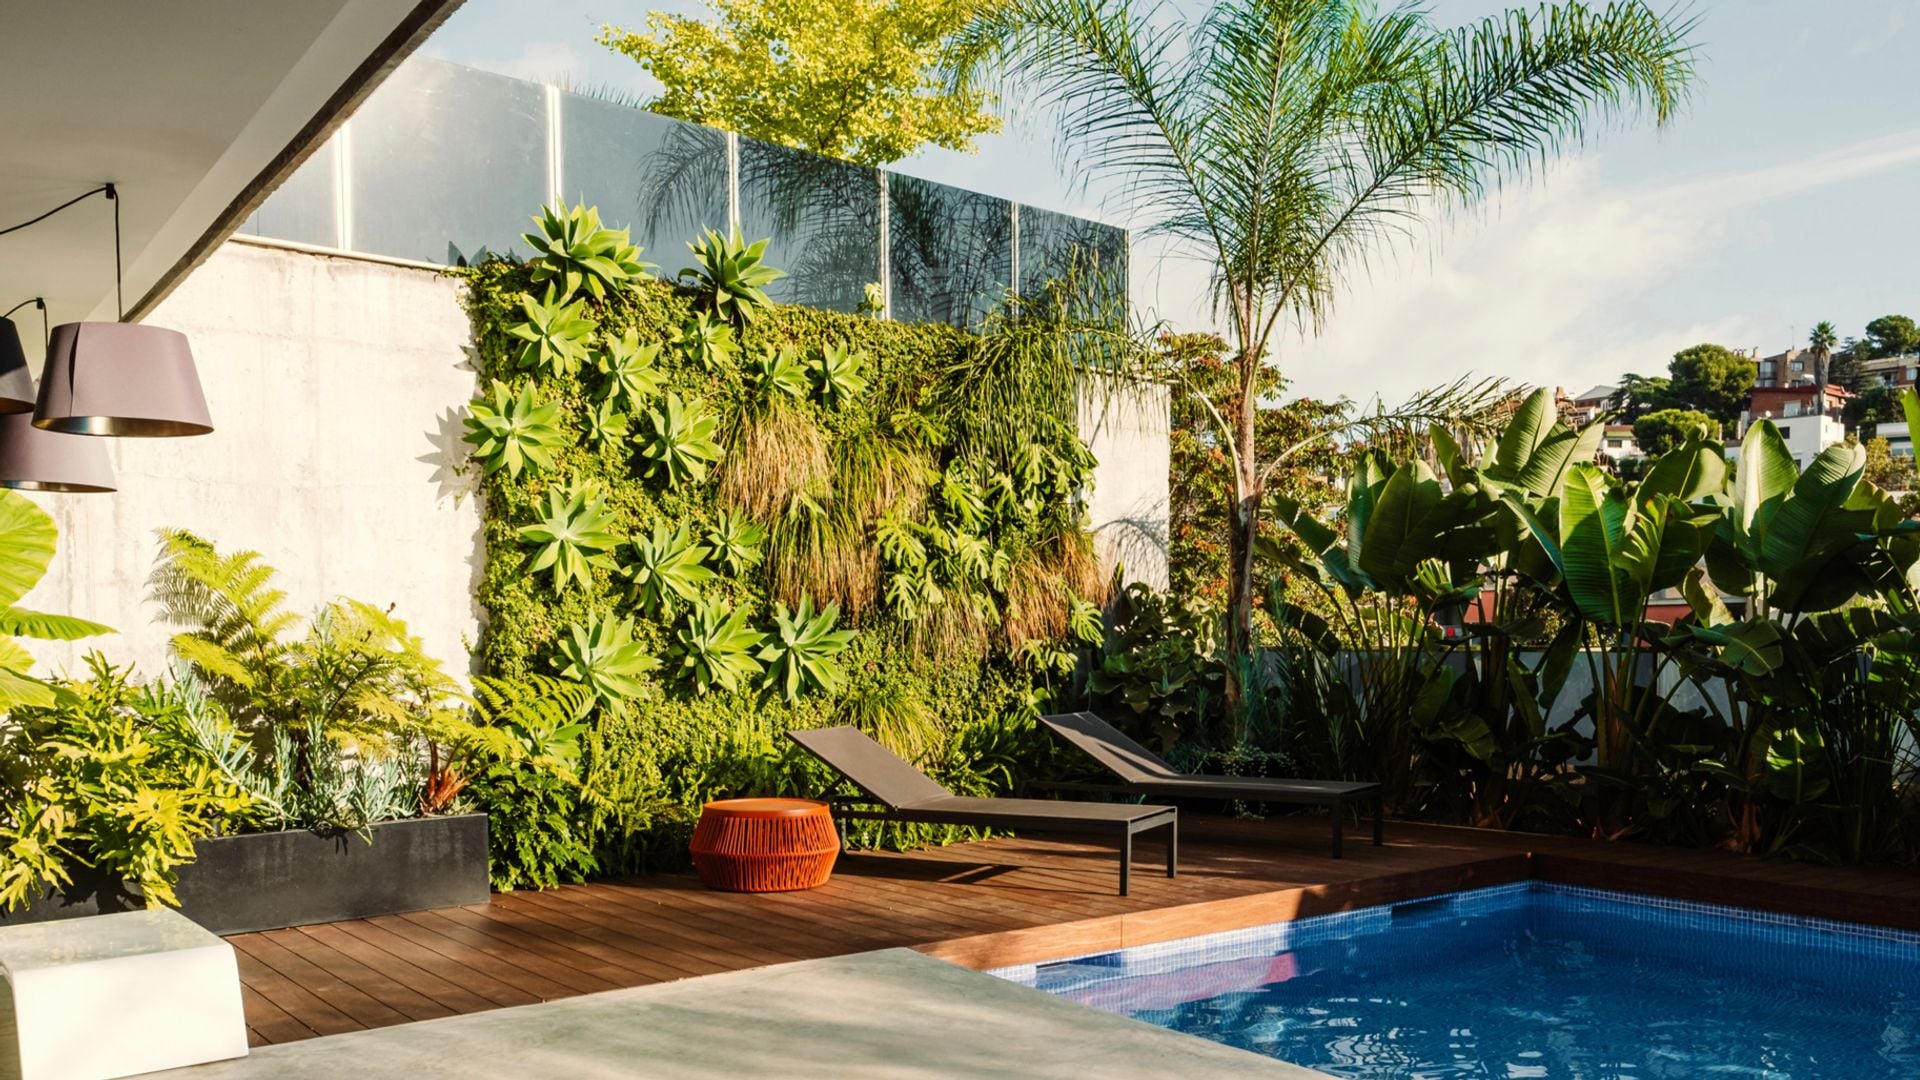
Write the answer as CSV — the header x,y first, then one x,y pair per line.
x,y
1053,246
445,161
950,251
303,208
823,217
662,180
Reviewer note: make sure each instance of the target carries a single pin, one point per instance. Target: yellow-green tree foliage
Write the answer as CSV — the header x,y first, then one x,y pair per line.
x,y
854,79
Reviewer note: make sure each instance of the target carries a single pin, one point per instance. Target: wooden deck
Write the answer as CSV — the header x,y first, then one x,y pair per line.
x,y
982,905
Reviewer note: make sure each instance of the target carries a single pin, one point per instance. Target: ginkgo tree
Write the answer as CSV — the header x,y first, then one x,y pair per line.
x,y
854,79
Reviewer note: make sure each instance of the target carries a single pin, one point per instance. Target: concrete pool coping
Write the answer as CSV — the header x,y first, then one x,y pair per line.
x,y
891,1013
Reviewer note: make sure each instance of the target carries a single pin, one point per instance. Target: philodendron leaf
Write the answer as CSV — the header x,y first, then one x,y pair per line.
x,y
683,443
801,654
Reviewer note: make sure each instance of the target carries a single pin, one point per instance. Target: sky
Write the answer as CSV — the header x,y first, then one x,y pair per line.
x,y
1784,194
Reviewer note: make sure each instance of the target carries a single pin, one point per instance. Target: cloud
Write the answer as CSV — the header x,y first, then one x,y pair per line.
x,y
542,61
1564,282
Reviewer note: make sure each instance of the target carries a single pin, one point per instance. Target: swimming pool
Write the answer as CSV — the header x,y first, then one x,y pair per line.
x,y
1532,980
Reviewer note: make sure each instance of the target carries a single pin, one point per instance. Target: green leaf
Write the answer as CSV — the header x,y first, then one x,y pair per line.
x,y
1532,425
1766,475
512,433
573,537
556,336
782,371
707,341
1603,553
1693,470
1802,527
573,250
716,648
683,443
604,656
668,566
731,274
27,536
1394,533
631,369
837,374
21,622
736,541
801,654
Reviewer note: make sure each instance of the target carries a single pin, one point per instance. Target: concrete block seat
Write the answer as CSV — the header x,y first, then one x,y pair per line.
x,y
113,995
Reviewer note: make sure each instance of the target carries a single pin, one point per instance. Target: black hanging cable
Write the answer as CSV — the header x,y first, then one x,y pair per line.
x,y
46,331
119,301
106,189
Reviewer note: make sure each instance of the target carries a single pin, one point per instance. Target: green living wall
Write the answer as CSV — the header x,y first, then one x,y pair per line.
x,y
731,518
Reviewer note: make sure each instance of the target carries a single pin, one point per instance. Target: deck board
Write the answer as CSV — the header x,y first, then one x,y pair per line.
x,y
984,904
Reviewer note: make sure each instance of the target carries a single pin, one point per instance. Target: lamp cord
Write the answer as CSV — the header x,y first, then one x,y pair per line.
x,y
106,189
119,300
46,332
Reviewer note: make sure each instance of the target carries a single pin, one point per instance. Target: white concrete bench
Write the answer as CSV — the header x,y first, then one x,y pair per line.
x,y
113,995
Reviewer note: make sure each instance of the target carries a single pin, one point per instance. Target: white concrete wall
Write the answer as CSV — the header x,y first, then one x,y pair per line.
x,y
336,387
1127,429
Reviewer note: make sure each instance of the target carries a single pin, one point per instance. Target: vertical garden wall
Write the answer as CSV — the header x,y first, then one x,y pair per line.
x,y
731,517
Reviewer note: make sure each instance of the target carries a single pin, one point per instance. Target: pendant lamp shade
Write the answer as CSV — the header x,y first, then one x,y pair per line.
x,y
36,460
16,385
123,379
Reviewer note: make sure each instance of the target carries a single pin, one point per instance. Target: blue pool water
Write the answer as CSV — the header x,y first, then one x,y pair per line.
x,y
1532,980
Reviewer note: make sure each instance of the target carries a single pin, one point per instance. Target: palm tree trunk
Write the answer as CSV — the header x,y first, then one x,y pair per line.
x,y
1245,528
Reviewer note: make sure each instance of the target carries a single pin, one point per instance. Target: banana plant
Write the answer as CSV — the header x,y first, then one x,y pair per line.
x,y
717,648
836,374
632,373
668,567
732,274
706,341
801,654
603,655
556,336
736,541
683,443
575,250
512,433
574,537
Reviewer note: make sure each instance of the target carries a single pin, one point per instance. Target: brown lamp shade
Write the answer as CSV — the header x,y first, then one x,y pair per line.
x,y
120,379
36,460
16,385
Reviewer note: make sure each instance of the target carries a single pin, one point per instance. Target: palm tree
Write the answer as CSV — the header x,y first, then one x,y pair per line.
x,y
1283,142
1822,341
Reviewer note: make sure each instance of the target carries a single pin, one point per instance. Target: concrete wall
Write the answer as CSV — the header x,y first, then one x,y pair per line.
x,y
1127,429
337,387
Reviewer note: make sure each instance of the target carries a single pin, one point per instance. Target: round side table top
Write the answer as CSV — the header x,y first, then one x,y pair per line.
x,y
764,808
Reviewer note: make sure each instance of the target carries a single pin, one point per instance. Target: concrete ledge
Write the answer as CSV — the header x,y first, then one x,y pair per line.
x,y
113,995
891,1014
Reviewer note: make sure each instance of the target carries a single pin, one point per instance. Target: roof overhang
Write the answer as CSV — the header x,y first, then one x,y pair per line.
x,y
195,111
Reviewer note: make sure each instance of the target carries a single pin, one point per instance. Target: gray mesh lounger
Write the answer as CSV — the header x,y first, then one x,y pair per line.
x,y
892,790
1142,772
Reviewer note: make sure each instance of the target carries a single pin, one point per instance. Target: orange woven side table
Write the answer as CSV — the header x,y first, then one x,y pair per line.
x,y
764,845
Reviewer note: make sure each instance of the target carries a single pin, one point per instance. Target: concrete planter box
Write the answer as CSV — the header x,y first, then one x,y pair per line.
x,y
264,881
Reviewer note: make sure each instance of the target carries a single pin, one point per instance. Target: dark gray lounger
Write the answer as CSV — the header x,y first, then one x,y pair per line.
x,y
1143,772
904,793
